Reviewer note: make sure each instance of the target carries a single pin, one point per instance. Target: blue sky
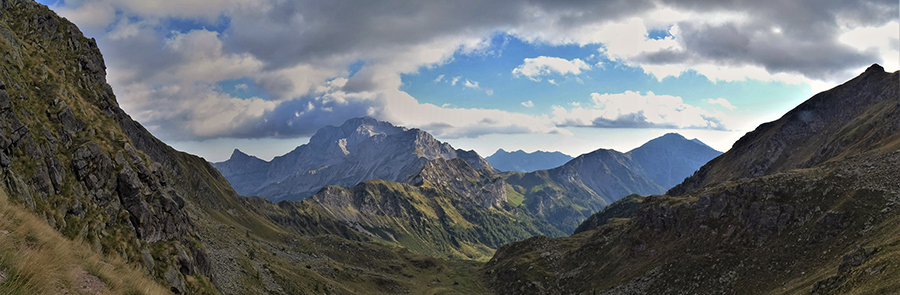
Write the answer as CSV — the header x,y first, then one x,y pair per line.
x,y
264,75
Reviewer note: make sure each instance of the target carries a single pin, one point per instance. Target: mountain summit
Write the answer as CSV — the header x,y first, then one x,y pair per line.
x,y
360,149
670,158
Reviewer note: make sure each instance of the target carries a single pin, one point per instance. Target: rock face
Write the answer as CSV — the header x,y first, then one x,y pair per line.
x,y
64,156
565,195
521,161
360,149
772,233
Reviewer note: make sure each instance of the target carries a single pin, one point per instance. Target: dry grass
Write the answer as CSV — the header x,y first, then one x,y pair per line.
x,y
36,259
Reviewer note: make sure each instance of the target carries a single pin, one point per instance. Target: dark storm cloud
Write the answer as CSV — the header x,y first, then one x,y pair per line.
x,y
781,36
311,31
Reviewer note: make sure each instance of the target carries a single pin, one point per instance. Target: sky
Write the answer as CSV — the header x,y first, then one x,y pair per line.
x,y
572,76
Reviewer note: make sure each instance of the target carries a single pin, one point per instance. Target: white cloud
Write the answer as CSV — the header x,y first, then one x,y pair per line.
x,y
439,78
884,39
635,110
90,15
470,84
722,102
288,50
528,104
534,68
203,58
243,87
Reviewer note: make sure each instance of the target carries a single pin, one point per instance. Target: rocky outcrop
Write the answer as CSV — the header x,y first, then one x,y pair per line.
x,y
360,149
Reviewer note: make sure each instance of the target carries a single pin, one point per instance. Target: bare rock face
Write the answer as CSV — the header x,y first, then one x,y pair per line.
x,y
360,149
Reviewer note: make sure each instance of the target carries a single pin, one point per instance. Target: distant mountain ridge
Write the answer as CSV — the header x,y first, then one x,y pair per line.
x,y
364,149
360,149
526,162
566,195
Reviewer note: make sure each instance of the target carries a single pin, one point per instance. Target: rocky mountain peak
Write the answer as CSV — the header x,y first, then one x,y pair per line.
x,y
239,155
875,68
360,149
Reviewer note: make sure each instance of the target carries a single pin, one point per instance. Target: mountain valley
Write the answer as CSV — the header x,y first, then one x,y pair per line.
x,y
91,202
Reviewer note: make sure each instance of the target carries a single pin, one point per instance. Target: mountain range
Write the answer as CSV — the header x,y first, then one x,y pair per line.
x,y
805,204
521,161
460,208
92,202
365,149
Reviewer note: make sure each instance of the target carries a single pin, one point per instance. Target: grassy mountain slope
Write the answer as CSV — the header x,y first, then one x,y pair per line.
x,y
449,209
825,229
36,259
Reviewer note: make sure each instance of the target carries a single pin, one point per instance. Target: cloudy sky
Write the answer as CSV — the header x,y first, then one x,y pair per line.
x,y
574,75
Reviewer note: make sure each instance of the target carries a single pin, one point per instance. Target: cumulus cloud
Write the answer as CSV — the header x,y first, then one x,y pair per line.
x,y
534,68
289,50
635,110
528,104
722,102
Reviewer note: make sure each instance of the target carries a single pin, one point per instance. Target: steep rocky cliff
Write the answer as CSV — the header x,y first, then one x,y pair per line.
x,y
828,228
360,149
